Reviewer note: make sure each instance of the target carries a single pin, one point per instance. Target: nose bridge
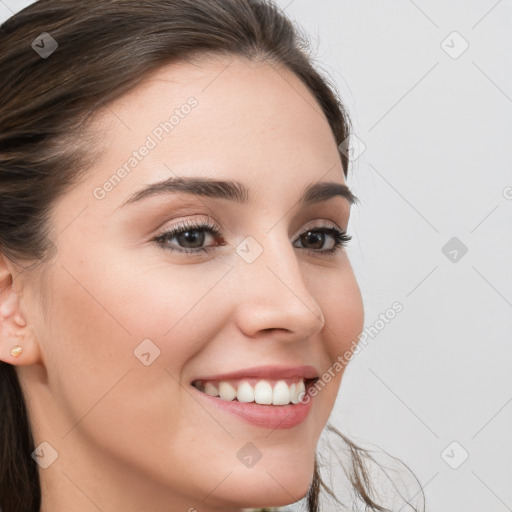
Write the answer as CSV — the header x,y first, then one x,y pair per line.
x,y
274,293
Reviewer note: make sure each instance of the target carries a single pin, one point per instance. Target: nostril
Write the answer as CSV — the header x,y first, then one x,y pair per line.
x,y
272,329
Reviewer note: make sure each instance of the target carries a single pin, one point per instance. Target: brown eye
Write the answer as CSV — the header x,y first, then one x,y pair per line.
x,y
314,239
189,237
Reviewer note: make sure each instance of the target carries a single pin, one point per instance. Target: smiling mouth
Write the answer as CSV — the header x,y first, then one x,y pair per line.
x,y
259,391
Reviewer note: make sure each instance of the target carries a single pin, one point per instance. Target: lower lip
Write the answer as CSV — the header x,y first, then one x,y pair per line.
x,y
273,417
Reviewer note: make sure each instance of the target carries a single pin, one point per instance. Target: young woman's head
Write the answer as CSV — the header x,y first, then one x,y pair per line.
x,y
172,213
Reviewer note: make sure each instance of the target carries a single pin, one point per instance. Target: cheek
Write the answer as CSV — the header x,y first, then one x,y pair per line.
x,y
108,320
103,392
341,302
344,318
90,342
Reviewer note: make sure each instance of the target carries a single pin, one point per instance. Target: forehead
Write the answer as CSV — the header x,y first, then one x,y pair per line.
x,y
225,118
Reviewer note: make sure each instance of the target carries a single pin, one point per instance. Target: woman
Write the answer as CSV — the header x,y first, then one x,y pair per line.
x,y
177,307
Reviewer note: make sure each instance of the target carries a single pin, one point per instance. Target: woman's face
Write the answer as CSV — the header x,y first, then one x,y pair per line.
x,y
136,324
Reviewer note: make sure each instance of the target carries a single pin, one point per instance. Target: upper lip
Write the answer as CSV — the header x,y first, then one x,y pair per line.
x,y
265,372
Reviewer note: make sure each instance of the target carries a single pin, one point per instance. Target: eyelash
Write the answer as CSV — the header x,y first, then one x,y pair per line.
x,y
341,238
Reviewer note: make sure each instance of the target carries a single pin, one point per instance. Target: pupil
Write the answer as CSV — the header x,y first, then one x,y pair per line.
x,y
195,237
314,237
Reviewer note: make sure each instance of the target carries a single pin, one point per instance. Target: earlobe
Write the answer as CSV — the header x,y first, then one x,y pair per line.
x,y
16,350
17,345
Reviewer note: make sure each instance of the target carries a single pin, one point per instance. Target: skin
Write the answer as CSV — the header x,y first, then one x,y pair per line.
x,y
128,436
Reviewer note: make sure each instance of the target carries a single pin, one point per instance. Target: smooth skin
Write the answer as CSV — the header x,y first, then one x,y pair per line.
x,y
132,437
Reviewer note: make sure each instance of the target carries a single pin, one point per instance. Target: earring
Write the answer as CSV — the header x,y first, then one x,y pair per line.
x,y
16,351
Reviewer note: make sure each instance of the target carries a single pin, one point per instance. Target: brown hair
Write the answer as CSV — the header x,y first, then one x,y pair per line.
x,y
105,48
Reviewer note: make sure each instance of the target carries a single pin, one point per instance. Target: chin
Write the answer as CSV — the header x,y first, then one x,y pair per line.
x,y
272,485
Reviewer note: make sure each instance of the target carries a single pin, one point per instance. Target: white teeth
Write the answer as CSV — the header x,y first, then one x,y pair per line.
x,y
227,391
245,392
281,394
262,393
301,391
293,394
211,389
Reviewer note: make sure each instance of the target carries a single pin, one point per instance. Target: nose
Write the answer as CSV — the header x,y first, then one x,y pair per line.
x,y
273,297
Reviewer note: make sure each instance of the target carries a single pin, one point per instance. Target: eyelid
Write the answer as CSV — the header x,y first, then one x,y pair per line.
x,y
340,236
207,223
202,221
318,223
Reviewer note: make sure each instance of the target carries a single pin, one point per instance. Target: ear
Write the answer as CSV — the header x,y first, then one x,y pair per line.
x,y
15,331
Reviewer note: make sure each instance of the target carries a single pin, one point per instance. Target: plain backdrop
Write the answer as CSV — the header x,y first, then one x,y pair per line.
x,y
428,85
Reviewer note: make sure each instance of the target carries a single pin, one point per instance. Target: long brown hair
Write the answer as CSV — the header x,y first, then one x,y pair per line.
x,y
101,50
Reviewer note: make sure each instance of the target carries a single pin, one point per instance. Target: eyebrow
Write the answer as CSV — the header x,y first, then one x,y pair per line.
x,y
236,191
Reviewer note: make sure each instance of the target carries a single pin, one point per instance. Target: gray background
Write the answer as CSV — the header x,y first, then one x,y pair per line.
x,y
437,165
435,123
